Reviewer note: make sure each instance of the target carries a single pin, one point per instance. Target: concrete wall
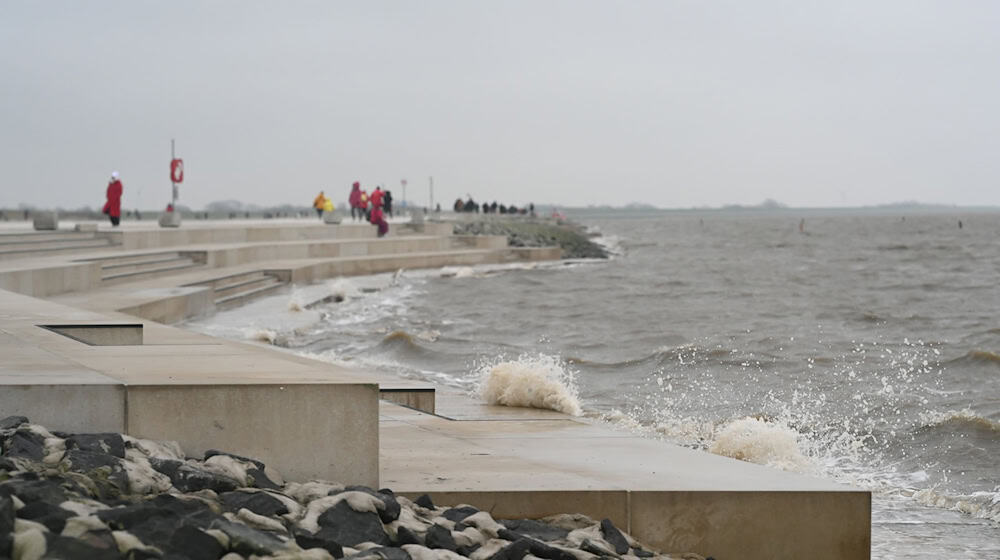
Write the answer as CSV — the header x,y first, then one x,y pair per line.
x,y
67,407
305,431
51,280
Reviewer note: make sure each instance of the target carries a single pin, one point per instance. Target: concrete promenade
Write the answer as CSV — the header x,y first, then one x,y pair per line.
x,y
87,345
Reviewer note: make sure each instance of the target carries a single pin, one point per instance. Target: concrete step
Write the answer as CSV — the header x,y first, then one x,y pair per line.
x,y
150,262
31,237
244,284
136,258
242,297
151,271
20,250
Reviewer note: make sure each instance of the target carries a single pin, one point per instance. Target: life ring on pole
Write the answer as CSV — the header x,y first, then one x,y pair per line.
x,y
176,171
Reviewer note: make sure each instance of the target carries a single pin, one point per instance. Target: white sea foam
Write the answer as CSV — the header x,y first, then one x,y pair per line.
x,y
533,382
765,443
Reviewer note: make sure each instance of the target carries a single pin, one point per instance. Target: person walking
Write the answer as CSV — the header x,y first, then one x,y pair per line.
x,y
387,203
319,203
113,207
354,200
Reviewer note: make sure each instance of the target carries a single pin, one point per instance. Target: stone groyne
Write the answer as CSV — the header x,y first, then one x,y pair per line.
x,y
571,238
112,496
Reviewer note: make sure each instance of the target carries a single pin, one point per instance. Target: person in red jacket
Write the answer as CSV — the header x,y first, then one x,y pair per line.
x,y
113,207
354,200
376,197
379,220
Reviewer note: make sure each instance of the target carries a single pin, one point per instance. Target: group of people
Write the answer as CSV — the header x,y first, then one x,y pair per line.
x,y
494,208
371,208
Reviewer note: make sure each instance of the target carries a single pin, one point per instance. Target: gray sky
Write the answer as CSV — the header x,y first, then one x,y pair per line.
x,y
672,103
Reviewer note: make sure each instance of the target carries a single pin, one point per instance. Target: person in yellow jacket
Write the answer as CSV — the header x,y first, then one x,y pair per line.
x,y
328,205
320,204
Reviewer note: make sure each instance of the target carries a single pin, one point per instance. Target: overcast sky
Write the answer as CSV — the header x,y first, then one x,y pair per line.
x,y
671,103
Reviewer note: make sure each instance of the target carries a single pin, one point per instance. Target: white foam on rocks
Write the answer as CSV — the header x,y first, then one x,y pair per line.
x,y
358,501
83,509
484,522
29,544
143,479
150,448
228,466
81,525
418,552
128,542
258,521
306,492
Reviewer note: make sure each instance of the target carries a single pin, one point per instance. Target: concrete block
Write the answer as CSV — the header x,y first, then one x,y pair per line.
x,y
70,408
332,218
170,219
755,525
421,399
45,220
306,431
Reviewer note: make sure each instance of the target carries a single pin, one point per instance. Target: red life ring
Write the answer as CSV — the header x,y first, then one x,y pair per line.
x,y
176,171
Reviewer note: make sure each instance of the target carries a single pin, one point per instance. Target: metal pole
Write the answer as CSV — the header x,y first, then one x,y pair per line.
x,y
173,185
432,195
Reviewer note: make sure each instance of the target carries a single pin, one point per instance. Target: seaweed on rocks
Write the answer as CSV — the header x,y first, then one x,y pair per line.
x,y
108,496
572,239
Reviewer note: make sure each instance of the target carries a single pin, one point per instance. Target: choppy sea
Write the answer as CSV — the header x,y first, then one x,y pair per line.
x,y
863,347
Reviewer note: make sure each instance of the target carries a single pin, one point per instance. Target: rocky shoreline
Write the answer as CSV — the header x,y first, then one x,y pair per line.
x,y
112,496
572,238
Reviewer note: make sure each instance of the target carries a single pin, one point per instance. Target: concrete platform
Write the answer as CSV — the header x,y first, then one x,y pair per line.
x,y
202,392
520,463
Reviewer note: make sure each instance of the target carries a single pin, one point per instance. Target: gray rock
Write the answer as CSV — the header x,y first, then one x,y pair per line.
x,y
424,501
246,541
194,544
380,553
258,479
325,538
350,528
533,529
186,478
12,422
6,525
614,537
406,536
52,516
518,549
439,537
260,503
32,489
25,443
112,444
459,513
66,548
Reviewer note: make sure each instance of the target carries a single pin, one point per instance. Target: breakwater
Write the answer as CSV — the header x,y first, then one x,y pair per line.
x,y
570,237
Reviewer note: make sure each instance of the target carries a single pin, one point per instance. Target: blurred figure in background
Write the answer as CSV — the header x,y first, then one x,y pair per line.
x,y
113,207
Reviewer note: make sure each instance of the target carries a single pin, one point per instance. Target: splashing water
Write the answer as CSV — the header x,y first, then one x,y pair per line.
x,y
765,443
532,382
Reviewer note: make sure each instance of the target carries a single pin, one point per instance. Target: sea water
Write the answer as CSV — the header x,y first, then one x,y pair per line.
x,y
863,347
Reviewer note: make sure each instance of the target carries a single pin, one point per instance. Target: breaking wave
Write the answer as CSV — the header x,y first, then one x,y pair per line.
x,y
964,418
758,441
532,382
